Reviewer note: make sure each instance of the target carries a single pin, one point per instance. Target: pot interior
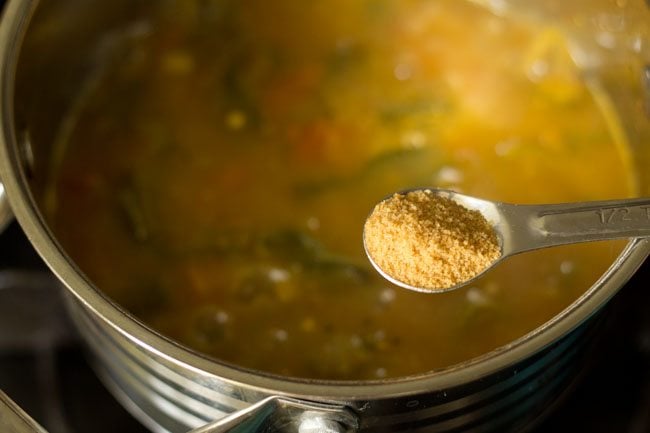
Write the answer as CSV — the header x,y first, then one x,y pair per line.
x,y
123,101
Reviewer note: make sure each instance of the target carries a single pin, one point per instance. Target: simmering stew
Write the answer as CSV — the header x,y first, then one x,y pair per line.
x,y
214,176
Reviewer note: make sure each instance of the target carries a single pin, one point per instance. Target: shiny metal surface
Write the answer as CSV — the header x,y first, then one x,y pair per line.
x,y
174,389
14,420
5,210
288,415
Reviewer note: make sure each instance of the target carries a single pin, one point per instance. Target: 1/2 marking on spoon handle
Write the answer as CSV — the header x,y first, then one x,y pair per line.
x,y
613,215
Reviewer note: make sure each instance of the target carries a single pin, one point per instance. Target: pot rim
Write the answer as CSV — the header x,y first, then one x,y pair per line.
x,y
12,28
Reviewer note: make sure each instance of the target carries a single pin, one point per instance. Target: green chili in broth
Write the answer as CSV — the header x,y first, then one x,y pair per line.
x,y
217,179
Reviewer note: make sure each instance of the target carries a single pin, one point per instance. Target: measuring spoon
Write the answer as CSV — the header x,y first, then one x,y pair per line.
x,y
521,228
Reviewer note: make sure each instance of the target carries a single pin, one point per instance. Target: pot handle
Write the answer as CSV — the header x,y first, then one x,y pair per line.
x,y
14,419
6,216
287,415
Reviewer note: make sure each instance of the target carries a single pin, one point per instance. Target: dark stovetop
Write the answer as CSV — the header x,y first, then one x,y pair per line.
x,y
43,368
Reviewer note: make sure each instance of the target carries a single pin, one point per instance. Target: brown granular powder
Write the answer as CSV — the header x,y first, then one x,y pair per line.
x,y
429,241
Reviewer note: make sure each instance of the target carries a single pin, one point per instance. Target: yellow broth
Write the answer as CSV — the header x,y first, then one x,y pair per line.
x,y
217,176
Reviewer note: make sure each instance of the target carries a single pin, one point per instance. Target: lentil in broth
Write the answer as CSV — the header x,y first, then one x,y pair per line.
x,y
219,174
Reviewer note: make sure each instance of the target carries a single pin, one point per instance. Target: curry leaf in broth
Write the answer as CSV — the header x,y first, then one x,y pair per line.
x,y
243,77
337,274
393,170
281,244
291,244
134,215
427,109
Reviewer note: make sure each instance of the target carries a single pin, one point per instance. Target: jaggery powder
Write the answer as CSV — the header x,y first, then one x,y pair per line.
x,y
429,241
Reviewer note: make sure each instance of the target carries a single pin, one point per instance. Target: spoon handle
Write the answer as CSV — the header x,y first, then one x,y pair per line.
x,y
559,224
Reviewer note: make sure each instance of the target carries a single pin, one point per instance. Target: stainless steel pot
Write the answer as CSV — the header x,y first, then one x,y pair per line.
x,y
48,49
